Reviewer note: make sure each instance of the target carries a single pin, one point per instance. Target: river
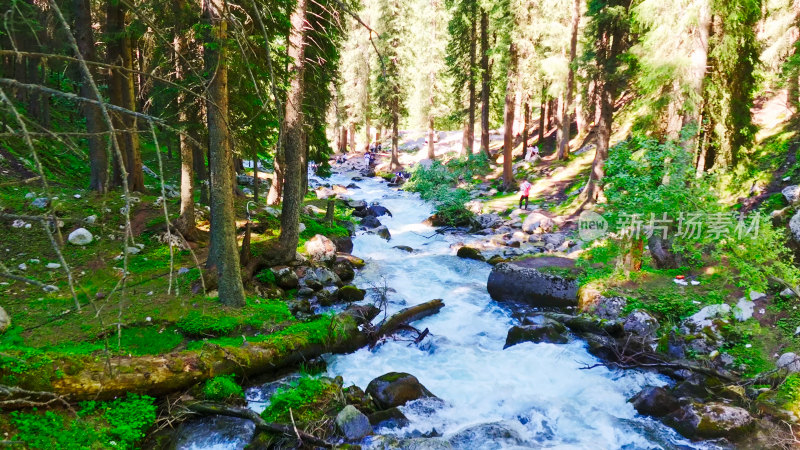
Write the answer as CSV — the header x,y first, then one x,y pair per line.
x,y
541,392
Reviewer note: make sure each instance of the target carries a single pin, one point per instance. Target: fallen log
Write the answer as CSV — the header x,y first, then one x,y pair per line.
x,y
406,316
210,408
98,378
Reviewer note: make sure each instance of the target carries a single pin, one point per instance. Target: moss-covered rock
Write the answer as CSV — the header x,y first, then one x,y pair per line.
x,y
542,330
469,253
396,389
350,294
711,420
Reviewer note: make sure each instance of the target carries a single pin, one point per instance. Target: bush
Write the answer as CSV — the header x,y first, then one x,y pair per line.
x,y
200,325
117,424
303,397
222,388
434,184
266,276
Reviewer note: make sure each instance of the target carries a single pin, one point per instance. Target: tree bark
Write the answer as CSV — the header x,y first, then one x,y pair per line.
x,y
508,119
352,133
699,61
276,188
134,155
566,117
469,128
186,220
431,133
542,116
594,186
223,255
485,82
98,158
395,163
526,118
293,135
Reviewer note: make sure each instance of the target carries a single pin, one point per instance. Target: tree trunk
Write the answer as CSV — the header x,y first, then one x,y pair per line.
x,y
566,117
485,82
134,155
223,255
542,116
343,147
469,129
98,158
367,124
293,135
395,163
256,180
431,132
594,186
200,168
352,134
186,221
276,188
699,61
508,119
526,118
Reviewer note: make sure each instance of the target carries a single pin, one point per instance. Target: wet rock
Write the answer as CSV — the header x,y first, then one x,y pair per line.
x,y
528,281
404,248
396,389
483,221
640,323
790,362
537,222
378,210
540,330
389,418
305,291
80,236
326,276
353,424
343,244
610,308
354,260
496,259
654,401
321,249
495,435
310,280
356,204
711,420
383,232
370,222
469,253
350,294
300,306
588,324
344,269
5,320
286,278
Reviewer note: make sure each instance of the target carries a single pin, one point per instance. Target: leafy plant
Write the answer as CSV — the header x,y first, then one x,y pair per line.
x,y
221,388
303,398
266,276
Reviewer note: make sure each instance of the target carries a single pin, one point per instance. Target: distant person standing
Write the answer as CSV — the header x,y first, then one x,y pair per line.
x,y
524,192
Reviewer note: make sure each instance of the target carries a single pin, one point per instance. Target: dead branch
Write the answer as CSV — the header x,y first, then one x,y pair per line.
x,y
402,318
18,182
12,397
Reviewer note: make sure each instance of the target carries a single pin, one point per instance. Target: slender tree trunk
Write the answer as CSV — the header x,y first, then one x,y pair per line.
x,y
294,130
367,112
201,171
134,162
594,186
343,148
469,129
431,133
526,119
395,163
276,188
699,61
508,135
115,24
580,119
98,158
224,254
485,82
542,116
186,221
352,133
566,117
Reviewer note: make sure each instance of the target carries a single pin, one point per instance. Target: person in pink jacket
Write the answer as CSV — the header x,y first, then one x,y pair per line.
x,y
524,191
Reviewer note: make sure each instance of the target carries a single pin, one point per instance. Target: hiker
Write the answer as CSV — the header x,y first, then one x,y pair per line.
x,y
368,158
533,151
524,191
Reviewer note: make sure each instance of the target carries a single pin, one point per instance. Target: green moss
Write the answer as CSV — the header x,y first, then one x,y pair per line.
x,y
149,340
222,388
266,276
196,324
308,399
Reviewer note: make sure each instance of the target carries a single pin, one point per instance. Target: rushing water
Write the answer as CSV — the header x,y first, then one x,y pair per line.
x,y
538,391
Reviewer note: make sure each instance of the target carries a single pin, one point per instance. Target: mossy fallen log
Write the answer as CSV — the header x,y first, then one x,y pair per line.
x,y
99,378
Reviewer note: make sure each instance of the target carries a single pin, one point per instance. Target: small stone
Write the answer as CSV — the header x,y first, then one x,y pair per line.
x,y
23,266
77,195
81,236
133,250
183,270
29,195
19,223
148,319
40,203
90,219
744,309
789,361
53,266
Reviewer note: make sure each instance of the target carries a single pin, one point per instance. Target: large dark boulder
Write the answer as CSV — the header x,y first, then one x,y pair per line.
x,y
541,329
370,222
350,293
388,418
543,281
396,389
469,253
343,244
378,210
654,401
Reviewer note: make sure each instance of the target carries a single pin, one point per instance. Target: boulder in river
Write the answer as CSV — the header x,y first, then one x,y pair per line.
x,y
710,420
654,401
469,253
540,329
378,210
370,222
396,389
383,232
543,281
321,249
388,418
344,269
343,244
350,294
483,221
500,434
353,424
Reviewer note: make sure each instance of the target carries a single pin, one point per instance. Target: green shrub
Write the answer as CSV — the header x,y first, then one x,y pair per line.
x,y
221,388
266,276
313,228
789,390
200,325
434,184
118,424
